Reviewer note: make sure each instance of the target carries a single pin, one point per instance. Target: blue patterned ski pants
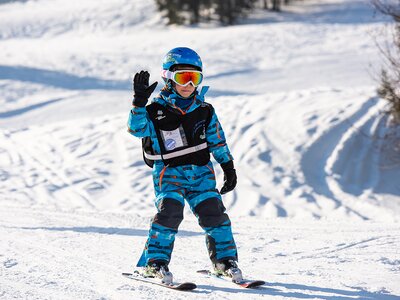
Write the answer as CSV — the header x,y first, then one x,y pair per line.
x,y
196,185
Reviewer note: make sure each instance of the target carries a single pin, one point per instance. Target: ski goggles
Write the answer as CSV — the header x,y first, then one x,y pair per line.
x,y
184,77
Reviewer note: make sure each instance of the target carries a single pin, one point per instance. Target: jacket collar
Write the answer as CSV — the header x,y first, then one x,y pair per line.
x,y
168,98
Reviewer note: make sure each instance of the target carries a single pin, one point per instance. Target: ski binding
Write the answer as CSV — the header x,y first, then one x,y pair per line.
x,y
185,286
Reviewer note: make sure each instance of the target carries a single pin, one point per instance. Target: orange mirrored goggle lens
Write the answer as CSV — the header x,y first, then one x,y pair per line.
x,y
183,78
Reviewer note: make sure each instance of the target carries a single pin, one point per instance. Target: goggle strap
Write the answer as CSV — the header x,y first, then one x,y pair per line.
x,y
167,74
170,75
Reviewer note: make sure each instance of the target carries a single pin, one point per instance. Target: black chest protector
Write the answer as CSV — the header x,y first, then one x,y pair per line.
x,y
182,137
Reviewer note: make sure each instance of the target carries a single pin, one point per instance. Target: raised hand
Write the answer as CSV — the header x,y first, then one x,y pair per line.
x,y
142,90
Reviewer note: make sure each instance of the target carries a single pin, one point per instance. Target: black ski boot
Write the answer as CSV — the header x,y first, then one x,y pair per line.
x,y
158,269
228,268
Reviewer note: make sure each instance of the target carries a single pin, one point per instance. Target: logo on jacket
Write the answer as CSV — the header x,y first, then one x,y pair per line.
x,y
203,136
160,115
170,144
200,129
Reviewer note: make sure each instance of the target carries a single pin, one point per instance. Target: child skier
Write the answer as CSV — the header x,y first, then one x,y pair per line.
x,y
178,131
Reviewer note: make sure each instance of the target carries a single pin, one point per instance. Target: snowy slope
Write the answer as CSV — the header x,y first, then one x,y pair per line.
x,y
55,254
318,193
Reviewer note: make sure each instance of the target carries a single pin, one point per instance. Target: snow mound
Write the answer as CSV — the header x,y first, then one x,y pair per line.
x,y
49,18
321,162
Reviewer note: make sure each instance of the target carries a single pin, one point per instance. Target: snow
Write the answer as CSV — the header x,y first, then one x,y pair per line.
x,y
317,207
80,255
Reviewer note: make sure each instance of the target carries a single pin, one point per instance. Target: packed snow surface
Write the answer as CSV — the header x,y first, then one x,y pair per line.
x,y
316,210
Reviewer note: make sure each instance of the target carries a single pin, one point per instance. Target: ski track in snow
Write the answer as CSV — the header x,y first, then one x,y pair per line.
x,y
73,167
85,165
317,206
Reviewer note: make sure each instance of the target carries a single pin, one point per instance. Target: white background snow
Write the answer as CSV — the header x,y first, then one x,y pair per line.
x,y
317,207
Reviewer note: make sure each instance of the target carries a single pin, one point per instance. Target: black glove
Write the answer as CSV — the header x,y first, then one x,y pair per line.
x,y
230,178
142,89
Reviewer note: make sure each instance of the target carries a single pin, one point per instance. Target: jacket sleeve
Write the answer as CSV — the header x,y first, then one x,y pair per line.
x,y
216,140
139,122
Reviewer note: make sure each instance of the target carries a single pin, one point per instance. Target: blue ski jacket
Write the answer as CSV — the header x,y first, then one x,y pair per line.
x,y
140,125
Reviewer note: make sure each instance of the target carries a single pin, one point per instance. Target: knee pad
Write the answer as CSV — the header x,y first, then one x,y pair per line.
x,y
170,213
210,213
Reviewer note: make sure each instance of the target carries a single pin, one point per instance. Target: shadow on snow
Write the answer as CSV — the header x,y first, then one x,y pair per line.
x,y
108,230
73,82
300,291
334,294
60,79
16,112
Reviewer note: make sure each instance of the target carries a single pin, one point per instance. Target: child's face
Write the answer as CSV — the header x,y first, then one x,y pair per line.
x,y
184,91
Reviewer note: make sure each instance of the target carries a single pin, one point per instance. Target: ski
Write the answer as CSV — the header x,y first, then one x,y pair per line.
x,y
245,283
186,286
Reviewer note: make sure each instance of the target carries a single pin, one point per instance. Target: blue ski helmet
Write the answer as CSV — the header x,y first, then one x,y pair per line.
x,y
182,56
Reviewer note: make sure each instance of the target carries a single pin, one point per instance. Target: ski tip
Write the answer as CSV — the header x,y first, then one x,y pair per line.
x,y
252,284
187,286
